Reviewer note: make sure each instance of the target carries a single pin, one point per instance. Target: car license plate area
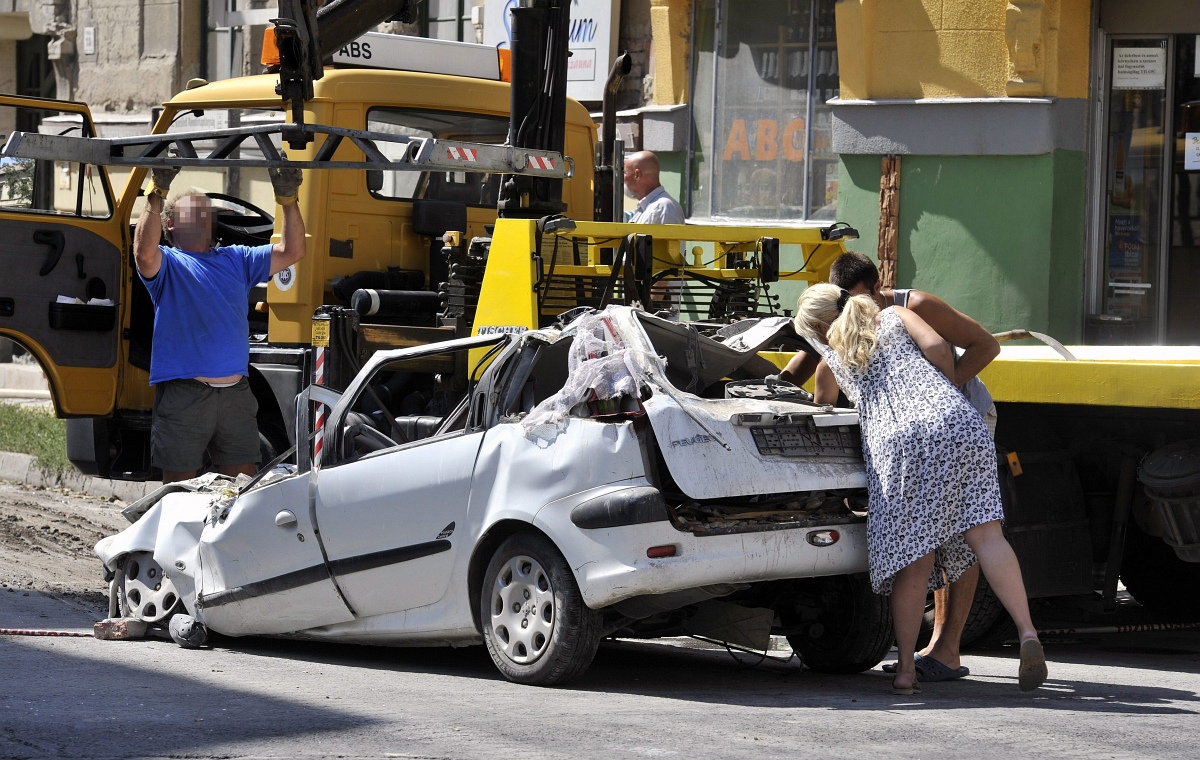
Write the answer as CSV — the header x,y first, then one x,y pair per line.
x,y
805,439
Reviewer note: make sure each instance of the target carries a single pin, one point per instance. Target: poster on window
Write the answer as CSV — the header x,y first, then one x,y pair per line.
x,y
1126,243
1191,151
593,41
762,166
1139,69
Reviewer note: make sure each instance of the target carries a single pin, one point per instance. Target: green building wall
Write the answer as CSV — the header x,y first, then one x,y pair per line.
x,y
998,237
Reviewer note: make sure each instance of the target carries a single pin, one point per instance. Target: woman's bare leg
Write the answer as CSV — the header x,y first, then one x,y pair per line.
x,y
1000,567
909,587
1003,573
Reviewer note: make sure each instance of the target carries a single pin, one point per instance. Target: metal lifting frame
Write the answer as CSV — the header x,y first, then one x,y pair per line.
x,y
420,153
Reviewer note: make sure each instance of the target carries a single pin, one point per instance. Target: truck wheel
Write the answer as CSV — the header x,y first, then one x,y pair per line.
x,y
267,449
844,627
144,592
1158,579
986,609
994,637
536,627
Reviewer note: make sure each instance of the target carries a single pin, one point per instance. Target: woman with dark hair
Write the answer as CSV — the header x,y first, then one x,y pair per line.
x,y
931,468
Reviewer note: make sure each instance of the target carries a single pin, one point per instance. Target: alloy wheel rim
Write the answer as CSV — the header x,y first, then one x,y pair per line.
x,y
149,593
522,610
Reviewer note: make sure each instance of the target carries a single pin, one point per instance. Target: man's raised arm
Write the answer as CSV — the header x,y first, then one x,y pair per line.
x,y
148,231
291,246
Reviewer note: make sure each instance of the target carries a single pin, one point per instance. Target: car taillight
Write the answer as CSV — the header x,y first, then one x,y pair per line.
x,y
657,552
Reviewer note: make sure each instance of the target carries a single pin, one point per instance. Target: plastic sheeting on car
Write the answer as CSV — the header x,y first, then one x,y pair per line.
x,y
601,365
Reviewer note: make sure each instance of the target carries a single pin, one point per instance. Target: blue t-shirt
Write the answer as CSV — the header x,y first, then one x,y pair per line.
x,y
200,305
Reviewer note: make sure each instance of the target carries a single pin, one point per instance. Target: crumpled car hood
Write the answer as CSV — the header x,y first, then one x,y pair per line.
x,y
170,530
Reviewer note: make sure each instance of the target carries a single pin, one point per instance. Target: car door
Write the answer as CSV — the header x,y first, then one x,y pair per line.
x,y
392,520
62,247
391,523
261,568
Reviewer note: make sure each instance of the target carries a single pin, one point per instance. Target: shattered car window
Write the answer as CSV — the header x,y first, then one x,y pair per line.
x,y
403,402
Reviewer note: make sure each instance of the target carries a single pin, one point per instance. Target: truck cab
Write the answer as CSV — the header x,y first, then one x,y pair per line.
x,y
72,297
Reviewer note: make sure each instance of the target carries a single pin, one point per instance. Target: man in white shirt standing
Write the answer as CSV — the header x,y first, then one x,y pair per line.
x,y
655,204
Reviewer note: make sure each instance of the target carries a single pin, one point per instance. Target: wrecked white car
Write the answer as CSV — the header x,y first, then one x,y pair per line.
x,y
575,491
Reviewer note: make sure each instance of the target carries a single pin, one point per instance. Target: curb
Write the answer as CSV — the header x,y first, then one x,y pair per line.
x,y
23,468
22,377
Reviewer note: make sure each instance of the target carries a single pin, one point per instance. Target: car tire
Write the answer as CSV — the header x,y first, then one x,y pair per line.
x,y
144,592
844,627
536,627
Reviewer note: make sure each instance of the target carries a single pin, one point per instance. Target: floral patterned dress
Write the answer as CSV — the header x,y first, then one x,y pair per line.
x,y
931,464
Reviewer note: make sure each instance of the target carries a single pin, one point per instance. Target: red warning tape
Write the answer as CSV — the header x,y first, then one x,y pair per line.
x,y
36,632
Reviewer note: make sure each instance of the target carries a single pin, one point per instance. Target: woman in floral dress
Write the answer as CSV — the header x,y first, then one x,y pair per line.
x,y
931,465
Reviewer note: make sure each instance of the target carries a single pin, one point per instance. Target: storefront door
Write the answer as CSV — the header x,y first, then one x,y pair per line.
x,y
1183,257
1149,211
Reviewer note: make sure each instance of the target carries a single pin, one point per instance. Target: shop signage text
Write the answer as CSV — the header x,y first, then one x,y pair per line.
x,y
769,140
593,41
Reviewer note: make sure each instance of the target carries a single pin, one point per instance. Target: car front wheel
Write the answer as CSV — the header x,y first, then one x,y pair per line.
x,y
144,591
537,629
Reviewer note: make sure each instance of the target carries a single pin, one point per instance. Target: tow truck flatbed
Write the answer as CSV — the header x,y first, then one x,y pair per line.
x,y
1162,377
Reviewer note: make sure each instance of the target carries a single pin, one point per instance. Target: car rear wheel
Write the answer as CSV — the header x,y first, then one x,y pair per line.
x,y
839,625
536,627
144,591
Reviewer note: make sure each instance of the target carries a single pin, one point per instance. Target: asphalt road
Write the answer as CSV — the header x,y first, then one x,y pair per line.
x,y
1118,696
1113,696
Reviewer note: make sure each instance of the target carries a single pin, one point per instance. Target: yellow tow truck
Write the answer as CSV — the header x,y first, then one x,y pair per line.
x,y
411,240
1103,471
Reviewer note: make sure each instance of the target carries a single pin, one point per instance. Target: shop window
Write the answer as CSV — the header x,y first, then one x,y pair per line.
x,y
447,20
763,74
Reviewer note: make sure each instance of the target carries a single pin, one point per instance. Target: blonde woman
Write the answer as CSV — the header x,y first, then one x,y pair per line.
x,y
931,465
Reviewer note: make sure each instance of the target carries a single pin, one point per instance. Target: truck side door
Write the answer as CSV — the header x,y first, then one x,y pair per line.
x,y
61,254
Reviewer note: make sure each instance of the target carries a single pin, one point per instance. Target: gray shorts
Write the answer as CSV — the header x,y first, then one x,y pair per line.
x,y
191,416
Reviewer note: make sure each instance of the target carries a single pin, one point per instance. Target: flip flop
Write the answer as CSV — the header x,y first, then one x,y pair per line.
x,y
914,689
1033,665
931,670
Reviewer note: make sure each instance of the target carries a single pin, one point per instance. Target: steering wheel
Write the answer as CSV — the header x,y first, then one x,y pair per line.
x,y
246,224
770,388
360,437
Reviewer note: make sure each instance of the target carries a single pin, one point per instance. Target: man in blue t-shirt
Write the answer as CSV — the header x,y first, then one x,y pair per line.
x,y
200,360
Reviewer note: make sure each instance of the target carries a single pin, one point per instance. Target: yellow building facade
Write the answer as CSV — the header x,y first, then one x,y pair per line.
x,y
1049,151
